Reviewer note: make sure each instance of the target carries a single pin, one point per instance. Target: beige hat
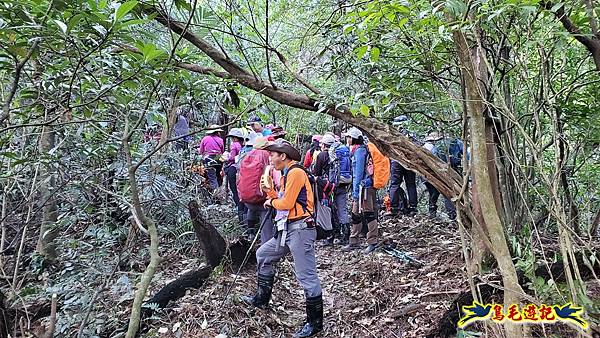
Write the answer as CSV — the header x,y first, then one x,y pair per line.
x,y
213,128
261,142
354,132
328,139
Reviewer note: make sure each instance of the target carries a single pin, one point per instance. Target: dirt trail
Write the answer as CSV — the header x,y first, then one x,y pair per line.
x,y
364,296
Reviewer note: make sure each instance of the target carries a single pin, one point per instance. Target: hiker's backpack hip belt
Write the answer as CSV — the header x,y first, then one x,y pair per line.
x,y
300,223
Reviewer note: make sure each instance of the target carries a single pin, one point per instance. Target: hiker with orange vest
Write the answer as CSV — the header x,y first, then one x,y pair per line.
x,y
369,172
296,234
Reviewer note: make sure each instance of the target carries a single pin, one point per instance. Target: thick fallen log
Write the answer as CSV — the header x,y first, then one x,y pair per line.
x,y
217,252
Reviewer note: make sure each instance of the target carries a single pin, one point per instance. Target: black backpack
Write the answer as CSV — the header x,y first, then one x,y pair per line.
x,y
322,214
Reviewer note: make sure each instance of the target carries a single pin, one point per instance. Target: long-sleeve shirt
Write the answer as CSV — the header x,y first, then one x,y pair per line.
x,y
308,157
234,150
321,166
211,145
359,163
297,191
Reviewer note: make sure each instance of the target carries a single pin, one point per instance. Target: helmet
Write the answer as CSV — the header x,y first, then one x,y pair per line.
x,y
236,132
316,138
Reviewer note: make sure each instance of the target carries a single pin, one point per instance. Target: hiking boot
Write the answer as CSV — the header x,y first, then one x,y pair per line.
x,y
263,292
370,249
250,234
328,242
345,235
411,212
350,247
314,318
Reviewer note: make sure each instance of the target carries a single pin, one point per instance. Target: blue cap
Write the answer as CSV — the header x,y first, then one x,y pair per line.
x,y
254,119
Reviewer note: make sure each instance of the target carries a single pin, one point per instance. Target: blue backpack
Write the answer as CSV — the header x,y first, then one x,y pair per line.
x,y
340,165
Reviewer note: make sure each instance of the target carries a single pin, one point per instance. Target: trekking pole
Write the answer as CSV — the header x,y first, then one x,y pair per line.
x,y
268,215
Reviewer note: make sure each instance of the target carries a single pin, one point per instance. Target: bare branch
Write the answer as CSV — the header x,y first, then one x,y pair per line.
x,y
589,9
267,44
15,83
592,44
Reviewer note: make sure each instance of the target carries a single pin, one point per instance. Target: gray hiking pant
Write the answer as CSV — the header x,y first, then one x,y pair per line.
x,y
340,199
301,243
256,215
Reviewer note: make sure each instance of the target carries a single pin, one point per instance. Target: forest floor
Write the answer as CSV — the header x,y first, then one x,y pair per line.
x,y
374,295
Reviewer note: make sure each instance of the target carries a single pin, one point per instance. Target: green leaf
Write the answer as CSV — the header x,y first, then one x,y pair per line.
x,y
348,28
361,51
153,54
183,4
131,23
73,21
530,9
10,154
375,51
364,109
61,25
124,8
92,4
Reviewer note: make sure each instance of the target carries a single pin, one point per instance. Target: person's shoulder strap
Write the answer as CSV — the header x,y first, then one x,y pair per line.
x,y
299,166
294,166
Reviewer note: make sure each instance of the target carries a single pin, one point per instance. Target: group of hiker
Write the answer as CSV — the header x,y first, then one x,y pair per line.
x,y
290,201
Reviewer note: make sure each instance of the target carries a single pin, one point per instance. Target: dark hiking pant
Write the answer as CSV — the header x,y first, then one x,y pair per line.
x,y
231,175
434,194
255,216
398,196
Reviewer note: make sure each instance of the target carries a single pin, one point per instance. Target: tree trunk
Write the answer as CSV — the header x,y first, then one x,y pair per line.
x,y
48,229
170,121
140,294
211,241
484,185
